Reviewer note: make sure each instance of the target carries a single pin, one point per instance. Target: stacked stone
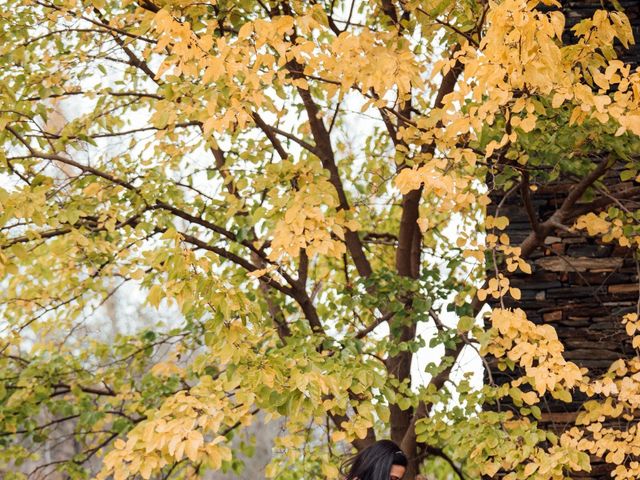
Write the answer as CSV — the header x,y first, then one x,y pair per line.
x,y
582,287
578,283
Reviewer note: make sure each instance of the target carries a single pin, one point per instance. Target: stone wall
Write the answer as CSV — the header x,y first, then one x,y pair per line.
x,y
580,286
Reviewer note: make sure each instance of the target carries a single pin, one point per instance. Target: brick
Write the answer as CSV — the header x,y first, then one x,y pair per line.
x,y
552,316
580,264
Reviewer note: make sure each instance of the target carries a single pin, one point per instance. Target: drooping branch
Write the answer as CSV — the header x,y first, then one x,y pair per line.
x,y
223,232
105,391
153,96
56,232
42,426
525,192
300,296
159,204
295,291
607,198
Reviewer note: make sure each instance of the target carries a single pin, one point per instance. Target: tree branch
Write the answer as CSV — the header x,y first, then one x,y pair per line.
x,y
68,161
534,239
135,61
270,130
455,29
324,151
378,321
248,266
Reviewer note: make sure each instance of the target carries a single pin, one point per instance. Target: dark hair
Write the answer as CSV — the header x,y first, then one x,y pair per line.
x,y
374,462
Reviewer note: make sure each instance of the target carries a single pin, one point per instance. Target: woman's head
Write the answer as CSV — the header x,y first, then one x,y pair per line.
x,y
381,461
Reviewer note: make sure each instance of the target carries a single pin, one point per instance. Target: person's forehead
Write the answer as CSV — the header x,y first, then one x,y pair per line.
x,y
397,471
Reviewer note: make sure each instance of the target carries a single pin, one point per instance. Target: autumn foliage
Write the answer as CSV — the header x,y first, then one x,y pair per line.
x,y
298,191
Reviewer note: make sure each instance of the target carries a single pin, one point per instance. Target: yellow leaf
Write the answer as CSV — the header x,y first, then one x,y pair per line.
x,y
166,369
530,398
155,295
91,189
631,328
557,21
423,224
193,444
524,266
594,224
528,123
271,470
530,469
616,456
214,70
501,222
258,273
206,42
490,468
245,31
330,471
146,470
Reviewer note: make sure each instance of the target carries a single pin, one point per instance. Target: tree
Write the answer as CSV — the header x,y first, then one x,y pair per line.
x,y
306,182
